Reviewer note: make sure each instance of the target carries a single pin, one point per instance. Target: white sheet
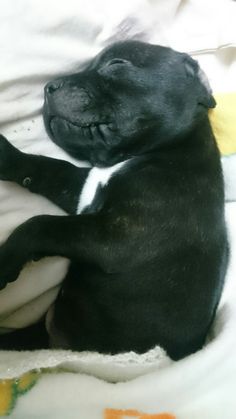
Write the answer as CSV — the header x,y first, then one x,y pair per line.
x,y
42,39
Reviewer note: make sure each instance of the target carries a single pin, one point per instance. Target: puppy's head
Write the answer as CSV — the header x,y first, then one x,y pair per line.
x,y
130,99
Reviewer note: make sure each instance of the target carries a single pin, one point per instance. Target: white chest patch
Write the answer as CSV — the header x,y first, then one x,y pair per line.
x,y
97,176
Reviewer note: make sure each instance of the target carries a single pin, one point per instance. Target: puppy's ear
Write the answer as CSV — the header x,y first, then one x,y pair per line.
x,y
194,71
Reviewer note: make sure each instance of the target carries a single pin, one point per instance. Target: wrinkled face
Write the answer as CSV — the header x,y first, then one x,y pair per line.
x,y
132,98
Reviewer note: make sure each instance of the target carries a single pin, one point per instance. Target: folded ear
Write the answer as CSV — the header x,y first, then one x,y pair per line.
x,y
209,100
194,71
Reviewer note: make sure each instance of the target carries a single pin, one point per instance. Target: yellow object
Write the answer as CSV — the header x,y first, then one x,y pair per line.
x,y
6,396
223,122
10,390
134,414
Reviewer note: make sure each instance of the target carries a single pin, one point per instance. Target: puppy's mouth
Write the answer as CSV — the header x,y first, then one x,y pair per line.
x,y
89,130
83,125
91,141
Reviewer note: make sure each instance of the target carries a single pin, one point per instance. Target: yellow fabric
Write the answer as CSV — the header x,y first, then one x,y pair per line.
x,y
134,414
10,390
223,121
6,396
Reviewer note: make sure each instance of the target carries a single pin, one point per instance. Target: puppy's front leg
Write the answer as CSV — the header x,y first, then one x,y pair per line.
x,y
85,237
59,181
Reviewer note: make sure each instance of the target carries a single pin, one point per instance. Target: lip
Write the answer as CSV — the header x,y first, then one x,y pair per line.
x,y
89,131
109,124
50,117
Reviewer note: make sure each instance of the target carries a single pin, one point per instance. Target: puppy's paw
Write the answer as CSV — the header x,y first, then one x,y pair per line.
x,y
8,154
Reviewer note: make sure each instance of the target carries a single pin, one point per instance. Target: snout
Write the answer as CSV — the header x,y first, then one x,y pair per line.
x,y
68,107
64,98
75,117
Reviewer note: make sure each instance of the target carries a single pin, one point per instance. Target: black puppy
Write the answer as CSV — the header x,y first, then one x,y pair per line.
x,y
148,249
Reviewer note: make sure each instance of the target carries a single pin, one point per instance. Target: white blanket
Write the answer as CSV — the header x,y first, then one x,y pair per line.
x,y
41,40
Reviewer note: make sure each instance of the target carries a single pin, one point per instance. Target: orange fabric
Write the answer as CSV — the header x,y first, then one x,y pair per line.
x,y
6,395
125,414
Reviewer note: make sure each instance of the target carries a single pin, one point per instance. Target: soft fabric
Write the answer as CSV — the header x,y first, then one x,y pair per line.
x,y
46,38
223,121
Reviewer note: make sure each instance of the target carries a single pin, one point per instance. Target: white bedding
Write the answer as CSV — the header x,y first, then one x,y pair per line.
x,y
42,39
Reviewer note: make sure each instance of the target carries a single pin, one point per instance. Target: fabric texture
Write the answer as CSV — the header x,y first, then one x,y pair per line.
x,y
44,39
223,121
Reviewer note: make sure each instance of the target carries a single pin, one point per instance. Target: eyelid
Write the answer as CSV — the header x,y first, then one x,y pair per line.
x,y
107,71
117,61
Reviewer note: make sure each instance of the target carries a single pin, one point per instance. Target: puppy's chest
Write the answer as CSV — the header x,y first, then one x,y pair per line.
x,y
92,195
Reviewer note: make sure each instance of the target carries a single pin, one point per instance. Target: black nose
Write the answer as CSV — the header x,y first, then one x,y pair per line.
x,y
52,86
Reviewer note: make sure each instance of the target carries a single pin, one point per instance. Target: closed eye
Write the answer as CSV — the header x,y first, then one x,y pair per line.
x,y
113,68
117,61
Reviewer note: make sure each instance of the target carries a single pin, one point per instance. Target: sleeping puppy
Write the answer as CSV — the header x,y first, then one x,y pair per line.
x,y
146,231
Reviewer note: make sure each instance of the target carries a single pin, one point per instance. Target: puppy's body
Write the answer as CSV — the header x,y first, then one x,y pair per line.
x,y
148,247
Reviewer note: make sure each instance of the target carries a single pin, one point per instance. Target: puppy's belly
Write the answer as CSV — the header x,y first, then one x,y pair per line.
x,y
97,177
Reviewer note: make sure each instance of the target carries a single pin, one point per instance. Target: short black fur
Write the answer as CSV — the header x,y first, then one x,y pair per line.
x,y
149,256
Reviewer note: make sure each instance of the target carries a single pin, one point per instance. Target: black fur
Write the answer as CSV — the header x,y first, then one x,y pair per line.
x,y
148,257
